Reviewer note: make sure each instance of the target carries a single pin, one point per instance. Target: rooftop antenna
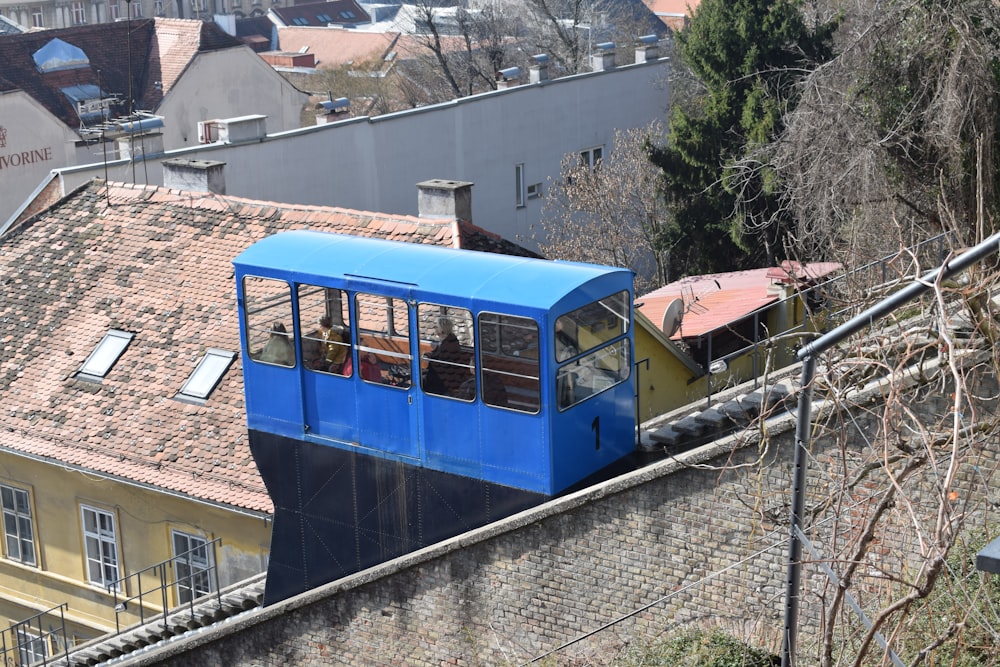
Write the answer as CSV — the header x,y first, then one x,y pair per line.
x,y
131,96
693,299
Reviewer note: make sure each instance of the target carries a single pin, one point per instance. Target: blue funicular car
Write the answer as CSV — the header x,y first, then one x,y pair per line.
x,y
398,394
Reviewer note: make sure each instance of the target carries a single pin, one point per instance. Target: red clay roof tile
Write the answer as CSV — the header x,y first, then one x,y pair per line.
x,y
156,263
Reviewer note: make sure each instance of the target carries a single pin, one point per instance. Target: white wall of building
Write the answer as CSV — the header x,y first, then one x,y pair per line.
x,y
216,84
33,142
220,84
375,163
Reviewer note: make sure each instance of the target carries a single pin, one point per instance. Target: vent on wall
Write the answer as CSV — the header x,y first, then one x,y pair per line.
x,y
208,131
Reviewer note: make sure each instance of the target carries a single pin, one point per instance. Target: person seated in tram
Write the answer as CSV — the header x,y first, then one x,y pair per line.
x,y
278,349
447,367
334,346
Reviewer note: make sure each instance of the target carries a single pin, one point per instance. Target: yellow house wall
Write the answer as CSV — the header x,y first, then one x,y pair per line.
x,y
669,383
663,385
144,520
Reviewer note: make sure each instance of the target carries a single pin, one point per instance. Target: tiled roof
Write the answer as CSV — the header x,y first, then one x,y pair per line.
x,y
157,263
672,7
334,47
712,301
337,12
160,48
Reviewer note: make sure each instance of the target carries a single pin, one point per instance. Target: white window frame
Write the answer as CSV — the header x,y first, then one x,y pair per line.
x,y
100,547
32,649
591,157
136,8
115,9
37,18
197,583
79,11
158,7
17,521
104,356
520,196
207,374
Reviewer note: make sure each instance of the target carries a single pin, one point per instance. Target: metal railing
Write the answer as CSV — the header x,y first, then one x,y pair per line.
x,y
151,598
38,640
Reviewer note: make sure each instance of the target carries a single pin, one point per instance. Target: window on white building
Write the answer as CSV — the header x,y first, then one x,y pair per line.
x,y
18,529
101,546
519,185
591,157
115,9
37,19
79,12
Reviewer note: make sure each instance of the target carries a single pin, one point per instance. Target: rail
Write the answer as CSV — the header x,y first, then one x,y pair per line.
x,y
199,578
38,640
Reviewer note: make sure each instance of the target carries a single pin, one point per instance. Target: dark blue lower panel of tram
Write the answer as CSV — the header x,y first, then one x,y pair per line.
x,y
337,512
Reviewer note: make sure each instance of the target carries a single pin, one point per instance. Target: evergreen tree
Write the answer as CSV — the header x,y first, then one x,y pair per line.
x,y
747,56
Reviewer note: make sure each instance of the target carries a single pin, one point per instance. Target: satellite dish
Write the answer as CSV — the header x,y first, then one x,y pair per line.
x,y
672,317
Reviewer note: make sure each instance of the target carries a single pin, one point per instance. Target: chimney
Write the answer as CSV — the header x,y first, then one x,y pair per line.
x,y
508,78
604,58
140,146
540,70
194,175
332,110
439,198
647,50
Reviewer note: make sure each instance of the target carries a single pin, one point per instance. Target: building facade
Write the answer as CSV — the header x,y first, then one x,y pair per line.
x,y
507,142
64,93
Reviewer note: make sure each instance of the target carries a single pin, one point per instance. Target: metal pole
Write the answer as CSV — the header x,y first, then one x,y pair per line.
x,y
802,428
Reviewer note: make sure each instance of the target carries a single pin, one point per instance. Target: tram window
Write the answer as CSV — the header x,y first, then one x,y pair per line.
x,y
509,358
447,367
268,315
591,326
383,329
593,373
324,325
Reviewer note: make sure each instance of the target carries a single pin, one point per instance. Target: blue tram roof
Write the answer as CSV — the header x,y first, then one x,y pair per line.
x,y
307,256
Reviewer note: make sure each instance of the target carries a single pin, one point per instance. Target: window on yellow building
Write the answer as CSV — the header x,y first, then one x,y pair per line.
x,y
19,532
192,566
101,545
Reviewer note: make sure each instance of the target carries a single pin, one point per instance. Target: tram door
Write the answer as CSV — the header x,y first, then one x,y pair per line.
x,y
384,370
327,391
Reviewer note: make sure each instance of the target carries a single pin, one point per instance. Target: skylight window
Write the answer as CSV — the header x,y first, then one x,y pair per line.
x,y
347,14
325,18
105,354
207,374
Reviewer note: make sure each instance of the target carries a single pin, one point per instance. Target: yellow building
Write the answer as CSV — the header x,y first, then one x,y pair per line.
x,y
702,334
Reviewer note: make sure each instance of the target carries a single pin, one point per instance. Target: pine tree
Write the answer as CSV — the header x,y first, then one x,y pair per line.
x,y
746,56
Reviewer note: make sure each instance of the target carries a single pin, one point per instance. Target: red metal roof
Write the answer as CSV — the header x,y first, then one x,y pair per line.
x,y
712,301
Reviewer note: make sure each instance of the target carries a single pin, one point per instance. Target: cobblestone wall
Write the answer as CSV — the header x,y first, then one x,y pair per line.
x,y
698,539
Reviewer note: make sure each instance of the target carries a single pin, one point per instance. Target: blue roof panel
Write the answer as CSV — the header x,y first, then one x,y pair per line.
x,y
309,255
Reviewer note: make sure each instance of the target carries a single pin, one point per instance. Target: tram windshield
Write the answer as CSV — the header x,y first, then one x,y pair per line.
x,y
588,345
